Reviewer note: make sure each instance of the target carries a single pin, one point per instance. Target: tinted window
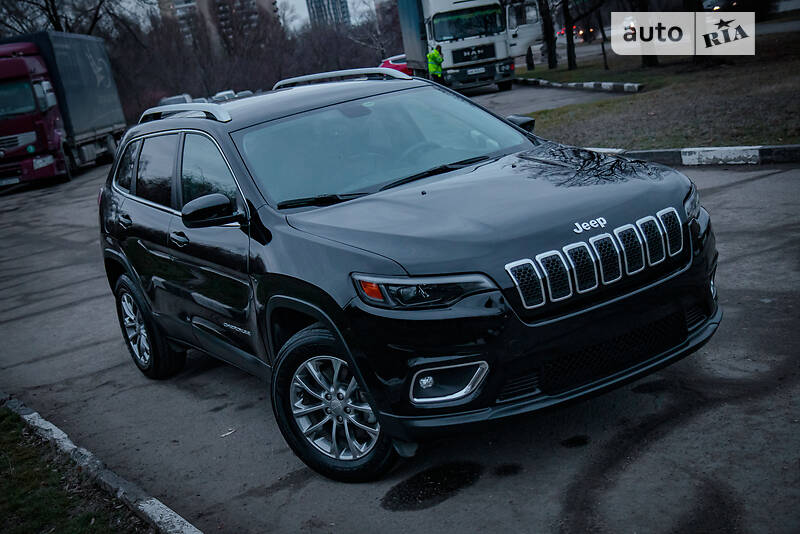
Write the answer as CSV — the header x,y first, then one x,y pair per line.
x,y
204,171
126,164
154,178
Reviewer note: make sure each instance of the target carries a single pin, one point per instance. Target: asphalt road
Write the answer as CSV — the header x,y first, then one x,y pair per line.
x,y
710,444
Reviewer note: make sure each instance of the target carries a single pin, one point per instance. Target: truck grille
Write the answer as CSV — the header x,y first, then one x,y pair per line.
x,y
473,53
600,262
9,141
13,141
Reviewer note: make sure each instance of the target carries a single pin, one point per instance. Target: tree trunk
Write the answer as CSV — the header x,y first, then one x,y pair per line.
x,y
647,61
603,39
572,63
549,33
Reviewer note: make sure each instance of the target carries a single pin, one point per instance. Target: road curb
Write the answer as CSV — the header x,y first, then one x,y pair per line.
x,y
608,87
720,155
148,508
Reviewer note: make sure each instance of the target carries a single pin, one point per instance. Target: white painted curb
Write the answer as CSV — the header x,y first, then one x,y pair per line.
x,y
148,508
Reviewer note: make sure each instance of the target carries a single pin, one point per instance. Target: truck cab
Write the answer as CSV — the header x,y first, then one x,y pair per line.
x,y
479,38
31,131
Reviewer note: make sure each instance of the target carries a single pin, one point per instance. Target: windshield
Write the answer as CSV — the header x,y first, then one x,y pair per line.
x,y
364,144
468,23
16,98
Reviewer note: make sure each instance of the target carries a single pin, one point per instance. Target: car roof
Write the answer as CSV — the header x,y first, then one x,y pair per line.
x,y
281,103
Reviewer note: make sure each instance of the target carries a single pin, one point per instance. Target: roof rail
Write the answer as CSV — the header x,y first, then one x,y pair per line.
x,y
211,111
381,72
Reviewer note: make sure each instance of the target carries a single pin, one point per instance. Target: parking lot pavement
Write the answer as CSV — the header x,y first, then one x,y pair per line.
x,y
527,99
711,443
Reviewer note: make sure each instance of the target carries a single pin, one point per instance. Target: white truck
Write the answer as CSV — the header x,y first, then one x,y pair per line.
x,y
479,38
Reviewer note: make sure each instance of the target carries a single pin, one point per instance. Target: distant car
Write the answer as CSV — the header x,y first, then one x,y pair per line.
x,y
242,94
223,96
182,98
398,63
200,100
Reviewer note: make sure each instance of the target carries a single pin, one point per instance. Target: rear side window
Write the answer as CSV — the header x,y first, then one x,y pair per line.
x,y
126,165
156,163
204,171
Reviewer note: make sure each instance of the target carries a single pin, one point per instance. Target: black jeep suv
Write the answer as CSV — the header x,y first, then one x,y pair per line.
x,y
399,260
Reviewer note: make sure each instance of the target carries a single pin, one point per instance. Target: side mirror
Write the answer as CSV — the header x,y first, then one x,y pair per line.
x,y
526,123
210,210
50,99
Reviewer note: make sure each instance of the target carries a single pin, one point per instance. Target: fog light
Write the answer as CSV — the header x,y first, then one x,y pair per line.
x,y
712,285
447,383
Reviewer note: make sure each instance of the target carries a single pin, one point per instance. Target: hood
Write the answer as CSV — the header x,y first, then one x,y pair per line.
x,y
478,220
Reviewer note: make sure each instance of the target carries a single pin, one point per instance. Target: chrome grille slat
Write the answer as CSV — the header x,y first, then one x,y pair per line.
x,y
9,141
607,252
583,265
559,283
632,249
673,229
646,243
528,281
653,239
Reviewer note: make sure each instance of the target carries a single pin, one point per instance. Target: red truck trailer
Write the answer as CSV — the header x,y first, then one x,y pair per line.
x,y
59,107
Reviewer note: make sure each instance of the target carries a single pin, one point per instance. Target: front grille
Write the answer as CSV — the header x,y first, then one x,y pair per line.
x,y
587,267
473,53
600,360
653,239
528,282
557,275
672,226
694,316
609,258
520,386
9,141
631,248
583,265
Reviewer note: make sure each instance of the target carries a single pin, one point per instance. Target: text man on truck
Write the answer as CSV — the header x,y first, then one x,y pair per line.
x,y
478,39
59,106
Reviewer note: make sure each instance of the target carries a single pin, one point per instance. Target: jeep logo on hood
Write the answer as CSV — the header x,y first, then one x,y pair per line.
x,y
599,222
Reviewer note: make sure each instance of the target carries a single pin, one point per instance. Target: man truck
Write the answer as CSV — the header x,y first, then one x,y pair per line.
x,y
59,107
479,38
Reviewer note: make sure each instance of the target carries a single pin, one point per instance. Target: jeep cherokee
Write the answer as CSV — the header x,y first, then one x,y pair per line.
x,y
400,261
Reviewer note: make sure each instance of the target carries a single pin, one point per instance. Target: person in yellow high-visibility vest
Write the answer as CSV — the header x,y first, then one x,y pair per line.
x,y
435,64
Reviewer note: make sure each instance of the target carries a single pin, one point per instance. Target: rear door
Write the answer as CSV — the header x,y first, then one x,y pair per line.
x,y
212,262
144,218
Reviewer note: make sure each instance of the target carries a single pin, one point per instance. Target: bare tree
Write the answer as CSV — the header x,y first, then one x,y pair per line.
x,y
548,33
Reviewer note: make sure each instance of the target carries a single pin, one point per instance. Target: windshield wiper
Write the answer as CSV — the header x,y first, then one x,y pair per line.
x,y
319,200
440,169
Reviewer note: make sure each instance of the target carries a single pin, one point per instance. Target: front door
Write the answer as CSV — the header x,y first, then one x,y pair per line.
x,y
212,283
523,27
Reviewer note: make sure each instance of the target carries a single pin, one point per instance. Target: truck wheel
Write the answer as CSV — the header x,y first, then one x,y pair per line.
x,y
324,413
505,86
150,351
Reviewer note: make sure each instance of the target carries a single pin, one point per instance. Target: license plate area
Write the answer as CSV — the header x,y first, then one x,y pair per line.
x,y
477,70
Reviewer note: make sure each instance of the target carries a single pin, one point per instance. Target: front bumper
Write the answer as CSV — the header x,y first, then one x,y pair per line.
x,y
23,170
466,77
531,366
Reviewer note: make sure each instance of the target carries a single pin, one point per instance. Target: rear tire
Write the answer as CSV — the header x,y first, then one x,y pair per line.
x,y
147,346
323,413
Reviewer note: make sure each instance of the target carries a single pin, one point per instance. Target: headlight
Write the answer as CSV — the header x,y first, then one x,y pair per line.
x,y
424,292
42,161
692,203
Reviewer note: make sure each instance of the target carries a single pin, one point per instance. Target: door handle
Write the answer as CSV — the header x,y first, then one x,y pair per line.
x,y
124,220
179,239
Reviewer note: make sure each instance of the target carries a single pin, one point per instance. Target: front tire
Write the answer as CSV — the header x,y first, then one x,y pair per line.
x,y
150,351
324,413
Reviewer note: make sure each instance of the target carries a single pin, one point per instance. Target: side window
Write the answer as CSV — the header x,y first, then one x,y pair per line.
x,y
154,177
204,171
126,165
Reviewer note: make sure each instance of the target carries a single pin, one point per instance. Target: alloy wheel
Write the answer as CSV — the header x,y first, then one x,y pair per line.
x,y
331,410
135,329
